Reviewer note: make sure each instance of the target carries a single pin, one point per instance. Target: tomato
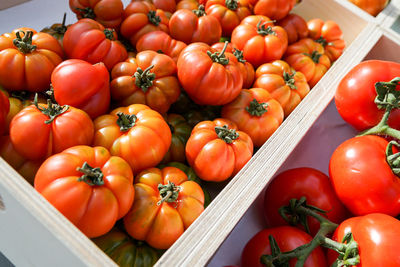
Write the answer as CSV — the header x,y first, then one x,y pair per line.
x,y
125,251
209,78
260,40
246,68
194,26
377,236
4,109
350,167
256,113
216,150
82,85
26,168
141,17
88,186
27,59
136,133
295,27
307,56
299,182
160,41
106,12
329,34
373,7
228,12
166,5
287,238
284,84
57,30
165,205
180,130
90,41
187,4
151,81
39,130
355,94
274,9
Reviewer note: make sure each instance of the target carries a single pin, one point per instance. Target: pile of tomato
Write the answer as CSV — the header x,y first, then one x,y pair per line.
x,y
119,118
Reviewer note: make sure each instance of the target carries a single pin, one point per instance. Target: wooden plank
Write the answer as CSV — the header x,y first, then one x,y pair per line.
x,y
4,4
196,247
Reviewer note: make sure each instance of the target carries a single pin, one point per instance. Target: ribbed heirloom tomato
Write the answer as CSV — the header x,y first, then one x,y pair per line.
x,y
151,80
373,7
256,113
209,77
165,205
27,59
88,186
274,9
216,150
295,27
136,133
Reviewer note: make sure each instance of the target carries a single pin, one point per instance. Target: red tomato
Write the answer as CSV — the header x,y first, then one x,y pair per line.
x,y
363,179
260,40
299,182
287,238
274,9
373,7
356,93
378,239
82,85
90,41
216,150
106,12
88,186
27,59
295,27
209,78
4,109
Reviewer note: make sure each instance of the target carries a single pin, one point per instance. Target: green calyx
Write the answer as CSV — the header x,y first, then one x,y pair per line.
x,y
169,192
109,33
349,254
256,108
153,18
62,28
289,79
24,44
239,55
52,110
126,121
315,56
226,134
219,57
231,4
200,11
91,176
393,159
86,13
144,78
262,30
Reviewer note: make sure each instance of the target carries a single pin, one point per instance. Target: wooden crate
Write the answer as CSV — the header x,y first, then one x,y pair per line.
x,y
35,233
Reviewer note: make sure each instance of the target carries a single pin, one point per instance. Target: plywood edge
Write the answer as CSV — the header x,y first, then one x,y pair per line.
x,y
197,245
74,240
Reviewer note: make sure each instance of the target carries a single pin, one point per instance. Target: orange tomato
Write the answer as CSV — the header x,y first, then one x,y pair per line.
x,y
274,9
295,27
165,205
373,7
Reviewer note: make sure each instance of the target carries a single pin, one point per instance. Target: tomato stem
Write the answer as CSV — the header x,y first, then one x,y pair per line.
x,y
231,4
62,28
289,79
256,108
144,78
226,134
126,121
24,44
52,110
168,192
219,57
86,12
153,18
109,33
239,55
265,31
91,176
200,11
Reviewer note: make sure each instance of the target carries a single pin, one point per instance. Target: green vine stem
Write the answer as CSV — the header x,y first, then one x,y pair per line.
x,y
256,108
387,98
265,31
231,4
200,11
86,13
24,44
153,18
219,57
144,78
289,79
126,121
109,33
169,192
91,176
52,110
348,249
226,134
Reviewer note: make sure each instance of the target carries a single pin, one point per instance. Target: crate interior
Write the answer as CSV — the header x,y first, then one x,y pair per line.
x,y
314,150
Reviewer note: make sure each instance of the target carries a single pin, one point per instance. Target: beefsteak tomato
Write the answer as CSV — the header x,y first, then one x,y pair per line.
x,y
274,9
373,7
295,27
